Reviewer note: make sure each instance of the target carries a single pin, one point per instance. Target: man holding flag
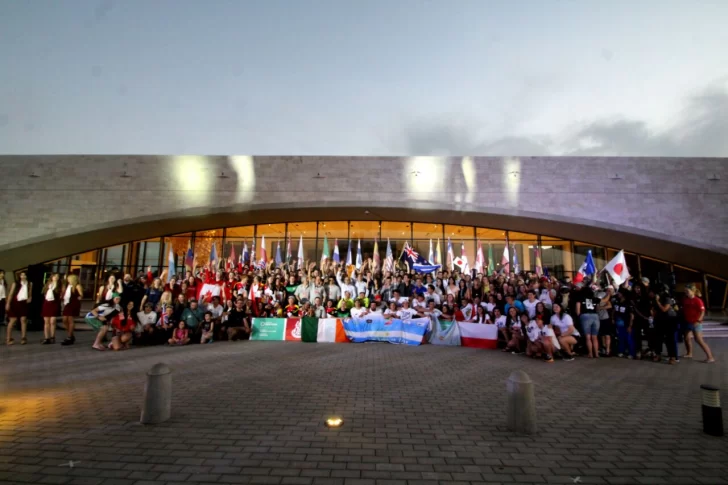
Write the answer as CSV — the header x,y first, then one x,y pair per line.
x,y
388,259
416,261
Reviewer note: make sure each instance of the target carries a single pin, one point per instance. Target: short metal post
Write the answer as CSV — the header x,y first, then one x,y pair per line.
x,y
157,395
521,416
712,412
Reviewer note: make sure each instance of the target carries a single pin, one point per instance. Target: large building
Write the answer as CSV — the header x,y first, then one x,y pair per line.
x,y
89,214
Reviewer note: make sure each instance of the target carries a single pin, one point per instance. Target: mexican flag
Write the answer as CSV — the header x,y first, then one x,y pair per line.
x,y
323,330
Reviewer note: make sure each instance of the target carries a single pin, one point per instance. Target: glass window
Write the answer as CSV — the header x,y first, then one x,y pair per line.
x,y
717,293
243,232
657,271
147,254
427,231
364,232
115,257
490,234
396,230
556,258
521,236
524,256
236,238
334,230
204,242
85,258
273,234
305,229
459,233
683,276
179,244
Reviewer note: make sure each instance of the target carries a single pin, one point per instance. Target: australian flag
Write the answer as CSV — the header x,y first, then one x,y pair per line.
x,y
416,261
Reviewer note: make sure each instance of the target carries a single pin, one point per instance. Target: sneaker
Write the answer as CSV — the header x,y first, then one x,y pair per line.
x,y
620,355
569,358
630,357
548,359
69,341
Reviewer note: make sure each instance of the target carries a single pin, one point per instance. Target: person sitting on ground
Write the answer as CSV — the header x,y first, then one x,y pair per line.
x,y
193,316
238,326
500,323
123,327
100,319
180,335
517,331
207,329
548,339
534,346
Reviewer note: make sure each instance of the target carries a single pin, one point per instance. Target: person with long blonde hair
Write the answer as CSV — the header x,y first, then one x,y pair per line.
x,y
694,312
51,308
20,296
71,301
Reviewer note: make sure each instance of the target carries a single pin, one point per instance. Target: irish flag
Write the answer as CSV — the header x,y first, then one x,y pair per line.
x,y
323,330
478,335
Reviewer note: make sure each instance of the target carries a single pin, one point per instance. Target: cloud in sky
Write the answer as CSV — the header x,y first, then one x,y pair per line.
x,y
701,129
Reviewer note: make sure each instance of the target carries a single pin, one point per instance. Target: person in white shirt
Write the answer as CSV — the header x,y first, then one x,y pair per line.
x,y
3,295
517,331
468,311
534,348
500,322
20,296
361,285
480,316
373,309
216,309
398,298
406,313
358,311
431,310
51,308
345,284
563,326
490,304
391,312
530,304
545,297
432,295
419,303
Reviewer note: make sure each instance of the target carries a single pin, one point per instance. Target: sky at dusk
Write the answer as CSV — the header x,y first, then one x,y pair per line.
x,y
376,77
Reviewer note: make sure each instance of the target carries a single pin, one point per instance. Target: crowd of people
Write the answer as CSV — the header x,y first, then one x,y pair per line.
x,y
541,316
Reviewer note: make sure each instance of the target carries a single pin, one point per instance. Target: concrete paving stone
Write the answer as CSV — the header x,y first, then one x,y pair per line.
x,y
80,415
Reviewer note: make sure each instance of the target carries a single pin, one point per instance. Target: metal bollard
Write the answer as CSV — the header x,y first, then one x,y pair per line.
x,y
712,413
157,395
521,416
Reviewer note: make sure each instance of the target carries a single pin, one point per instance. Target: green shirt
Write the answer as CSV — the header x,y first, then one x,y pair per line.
x,y
193,318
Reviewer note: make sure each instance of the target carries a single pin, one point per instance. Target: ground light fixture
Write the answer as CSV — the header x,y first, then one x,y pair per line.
x,y
334,422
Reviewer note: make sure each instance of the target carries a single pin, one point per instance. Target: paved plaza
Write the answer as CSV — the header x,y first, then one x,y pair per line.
x,y
253,412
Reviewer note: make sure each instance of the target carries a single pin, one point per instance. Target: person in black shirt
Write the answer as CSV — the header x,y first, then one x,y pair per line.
x,y
641,307
238,327
586,310
624,322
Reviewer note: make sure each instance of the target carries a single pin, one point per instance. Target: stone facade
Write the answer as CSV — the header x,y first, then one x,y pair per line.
x,y
669,199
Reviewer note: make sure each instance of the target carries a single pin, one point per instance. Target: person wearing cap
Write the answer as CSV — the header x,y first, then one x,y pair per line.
x,y
100,318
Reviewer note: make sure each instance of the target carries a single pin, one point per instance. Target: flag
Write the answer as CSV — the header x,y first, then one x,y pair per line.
x,y
246,254
263,253
388,258
325,253
377,259
358,255
431,255
213,255
444,333
279,260
336,251
546,272
348,254
491,261
479,259
450,255
329,330
232,260
506,261
251,297
417,261
438,253
464,257
171,268
516,269
539,268
253,261
617,269
587,268
478,335
190,257
300,252
289,255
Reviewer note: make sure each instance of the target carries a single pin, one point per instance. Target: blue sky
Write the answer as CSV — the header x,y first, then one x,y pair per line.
x,y
376,77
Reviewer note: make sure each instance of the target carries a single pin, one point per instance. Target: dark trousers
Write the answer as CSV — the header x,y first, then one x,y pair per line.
x,y
2,311
666,332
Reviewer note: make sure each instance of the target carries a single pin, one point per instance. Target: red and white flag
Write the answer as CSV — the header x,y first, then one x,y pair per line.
x,y
232,260
506,261
617,269
478,335
479,259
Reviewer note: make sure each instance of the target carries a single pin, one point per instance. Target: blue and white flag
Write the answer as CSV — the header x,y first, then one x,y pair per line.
x,y
279,260
348,254
444,332
336,251
246,253
388,259
431,256
376,328
358,255
171,269
417,261
516,268
586,269
213,255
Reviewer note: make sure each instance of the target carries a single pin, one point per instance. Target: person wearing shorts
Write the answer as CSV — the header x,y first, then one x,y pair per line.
x,y
693,312
586,310
100,319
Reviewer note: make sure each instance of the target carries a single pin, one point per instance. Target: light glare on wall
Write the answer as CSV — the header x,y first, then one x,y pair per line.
x,y
245,171
191,174
424,175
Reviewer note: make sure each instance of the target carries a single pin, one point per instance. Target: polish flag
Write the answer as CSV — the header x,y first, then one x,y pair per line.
x,y
478,335
617,269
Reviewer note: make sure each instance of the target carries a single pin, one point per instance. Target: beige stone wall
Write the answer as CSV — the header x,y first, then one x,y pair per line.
x,y
663,198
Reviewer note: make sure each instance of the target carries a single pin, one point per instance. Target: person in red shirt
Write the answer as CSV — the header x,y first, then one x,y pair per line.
x,y
173,288
693,312
291,309
123,326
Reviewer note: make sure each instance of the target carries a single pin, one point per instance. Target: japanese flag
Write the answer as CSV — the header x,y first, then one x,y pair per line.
x,y
617,269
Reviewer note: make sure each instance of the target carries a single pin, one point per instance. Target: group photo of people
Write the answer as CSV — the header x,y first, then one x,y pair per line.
x,y
537,315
